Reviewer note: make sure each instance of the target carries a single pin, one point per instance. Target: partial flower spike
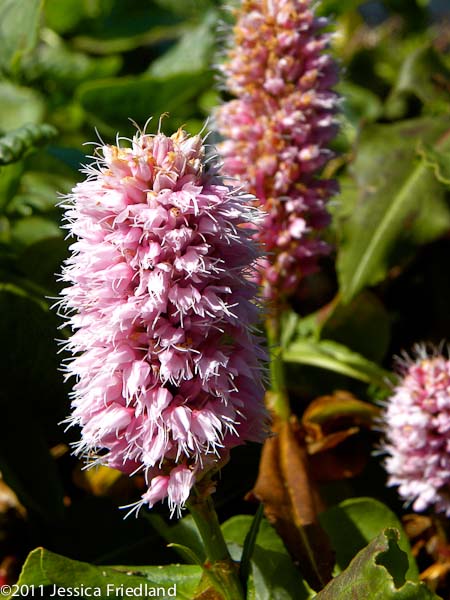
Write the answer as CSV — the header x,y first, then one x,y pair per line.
x,y
417,430
168,370
277,129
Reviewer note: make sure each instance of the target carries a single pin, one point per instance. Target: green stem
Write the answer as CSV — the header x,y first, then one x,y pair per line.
x,y
224,571
278,400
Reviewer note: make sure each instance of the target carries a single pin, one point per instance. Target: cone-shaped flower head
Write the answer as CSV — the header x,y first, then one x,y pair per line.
x,y
277,128
167,367
417,431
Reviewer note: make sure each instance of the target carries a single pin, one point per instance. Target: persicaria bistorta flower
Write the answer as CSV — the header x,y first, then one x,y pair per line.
x,y
417,432
168,368
277,129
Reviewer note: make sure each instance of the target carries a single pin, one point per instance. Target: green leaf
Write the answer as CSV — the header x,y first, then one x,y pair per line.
x,y
356,522
438,160
57,64
273,574
19,106
48,569
33,229
19,24
396,199
187,7
114,101
63,16
338,7
377,572
15,144
184,532
10,176
123,26
326,354
191,54
38,192
424,75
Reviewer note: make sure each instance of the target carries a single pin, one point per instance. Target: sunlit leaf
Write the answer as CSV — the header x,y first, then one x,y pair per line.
x,y
192,54
326,354
424,75
356,522
48,569
19,106
377,571
438,160
19,22
397,200
115,101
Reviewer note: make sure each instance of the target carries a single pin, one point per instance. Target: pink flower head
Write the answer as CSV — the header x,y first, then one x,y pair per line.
x,y
277,129
417,431
167,367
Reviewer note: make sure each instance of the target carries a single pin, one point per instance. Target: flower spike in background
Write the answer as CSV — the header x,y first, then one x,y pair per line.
x,y
277,129
417,427
168,371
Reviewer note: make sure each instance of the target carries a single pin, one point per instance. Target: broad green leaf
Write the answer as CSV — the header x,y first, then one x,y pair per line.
x,y
48,569
356,522
438,160
396,199
33,229
38,192
114,101
424,75
326,354
192,54
18,142
19,23
123,26
187,7
273,574
19,106
57,63
155,35
378,572
337,7
63,16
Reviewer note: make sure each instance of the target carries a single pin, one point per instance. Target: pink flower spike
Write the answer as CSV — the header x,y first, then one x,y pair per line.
x,y
167,367
276,131
416,423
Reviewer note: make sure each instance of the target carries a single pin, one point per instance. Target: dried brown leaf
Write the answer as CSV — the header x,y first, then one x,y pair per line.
x,y
291,502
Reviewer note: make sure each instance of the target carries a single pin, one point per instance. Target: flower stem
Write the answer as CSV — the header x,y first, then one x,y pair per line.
x,y
277,398
224,572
